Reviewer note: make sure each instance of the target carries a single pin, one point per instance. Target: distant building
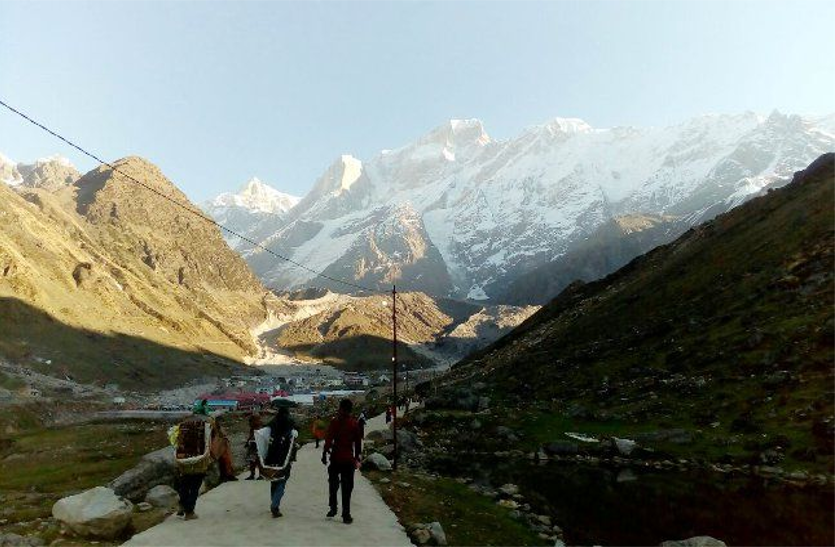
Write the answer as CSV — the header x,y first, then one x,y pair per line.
x,y
355,379
219,404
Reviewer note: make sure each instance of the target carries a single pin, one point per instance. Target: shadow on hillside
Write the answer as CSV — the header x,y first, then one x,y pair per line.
x,y
361,353
31,337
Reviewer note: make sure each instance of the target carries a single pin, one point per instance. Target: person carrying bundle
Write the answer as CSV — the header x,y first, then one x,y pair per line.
x,y
276,445
192,441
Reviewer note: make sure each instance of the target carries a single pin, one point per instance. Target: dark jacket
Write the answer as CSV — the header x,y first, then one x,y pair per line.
x,y
281,441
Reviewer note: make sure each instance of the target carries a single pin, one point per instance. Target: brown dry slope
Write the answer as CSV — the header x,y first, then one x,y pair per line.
x,y
112,282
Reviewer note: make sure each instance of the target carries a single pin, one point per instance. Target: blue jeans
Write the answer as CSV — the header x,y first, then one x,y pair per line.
x,y
276,493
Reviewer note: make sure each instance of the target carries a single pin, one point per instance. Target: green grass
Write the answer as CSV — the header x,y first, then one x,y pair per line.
x,y
11,383
467,518
41,466
77,457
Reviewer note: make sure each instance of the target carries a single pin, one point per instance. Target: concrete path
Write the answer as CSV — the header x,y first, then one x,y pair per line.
x,y
238,513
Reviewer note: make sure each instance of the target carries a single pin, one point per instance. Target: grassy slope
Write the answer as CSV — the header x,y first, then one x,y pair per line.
x,y
468,518
39,466
728,330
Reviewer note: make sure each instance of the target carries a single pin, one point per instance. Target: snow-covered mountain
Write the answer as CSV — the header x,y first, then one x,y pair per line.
x,y
458,213
51,172
256,197
256,210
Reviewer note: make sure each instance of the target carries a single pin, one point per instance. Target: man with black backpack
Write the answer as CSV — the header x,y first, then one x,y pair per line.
x,y
344,444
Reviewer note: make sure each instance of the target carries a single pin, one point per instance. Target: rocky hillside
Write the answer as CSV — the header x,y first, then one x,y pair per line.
x,y
717,346
457,213
354,333
611,246
104,281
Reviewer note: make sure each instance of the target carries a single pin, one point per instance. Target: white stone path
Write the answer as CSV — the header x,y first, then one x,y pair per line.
x,y
238,513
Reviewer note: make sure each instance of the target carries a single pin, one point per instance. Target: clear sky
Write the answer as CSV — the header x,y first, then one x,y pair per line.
x,y
215,93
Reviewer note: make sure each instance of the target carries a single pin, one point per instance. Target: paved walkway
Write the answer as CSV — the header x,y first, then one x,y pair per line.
x,y
238,513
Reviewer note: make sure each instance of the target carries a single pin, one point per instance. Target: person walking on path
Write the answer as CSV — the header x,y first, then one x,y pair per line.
x,y
362,420
192,440
251,447
222,452
343,443
388,415
276,447
318,429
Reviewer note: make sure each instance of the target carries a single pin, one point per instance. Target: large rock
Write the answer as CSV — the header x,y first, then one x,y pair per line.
x,y
163,496
153,469
14,540
509,489
96,513
437,533
696,541
407,441
421,536
377,461
625,446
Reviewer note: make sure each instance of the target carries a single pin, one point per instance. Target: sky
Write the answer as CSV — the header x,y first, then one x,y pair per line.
x,y
217,92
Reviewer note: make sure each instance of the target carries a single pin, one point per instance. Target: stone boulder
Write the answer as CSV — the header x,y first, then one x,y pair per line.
x,y
427,534
407,442
509,489
14,540
163,496
95,513
421,536
696,541
377,461
625,446
437,533
153,469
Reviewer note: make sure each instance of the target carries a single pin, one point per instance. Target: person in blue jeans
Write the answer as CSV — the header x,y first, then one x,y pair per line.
x,y
278,459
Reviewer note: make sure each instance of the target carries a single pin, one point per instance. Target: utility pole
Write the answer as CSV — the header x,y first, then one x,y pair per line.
x,y
394,369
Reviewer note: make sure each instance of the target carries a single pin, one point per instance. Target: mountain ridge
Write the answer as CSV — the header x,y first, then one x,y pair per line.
x,y
724,336
101,273
497,210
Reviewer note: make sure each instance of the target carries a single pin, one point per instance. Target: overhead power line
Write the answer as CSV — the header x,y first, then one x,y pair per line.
x,y
185,207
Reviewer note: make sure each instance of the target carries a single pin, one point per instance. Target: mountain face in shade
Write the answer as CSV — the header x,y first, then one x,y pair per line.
x,y
457,213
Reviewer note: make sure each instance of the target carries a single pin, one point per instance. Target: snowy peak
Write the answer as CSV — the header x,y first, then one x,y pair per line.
x,y
339,177
559,126
49,173
257,197
456,213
